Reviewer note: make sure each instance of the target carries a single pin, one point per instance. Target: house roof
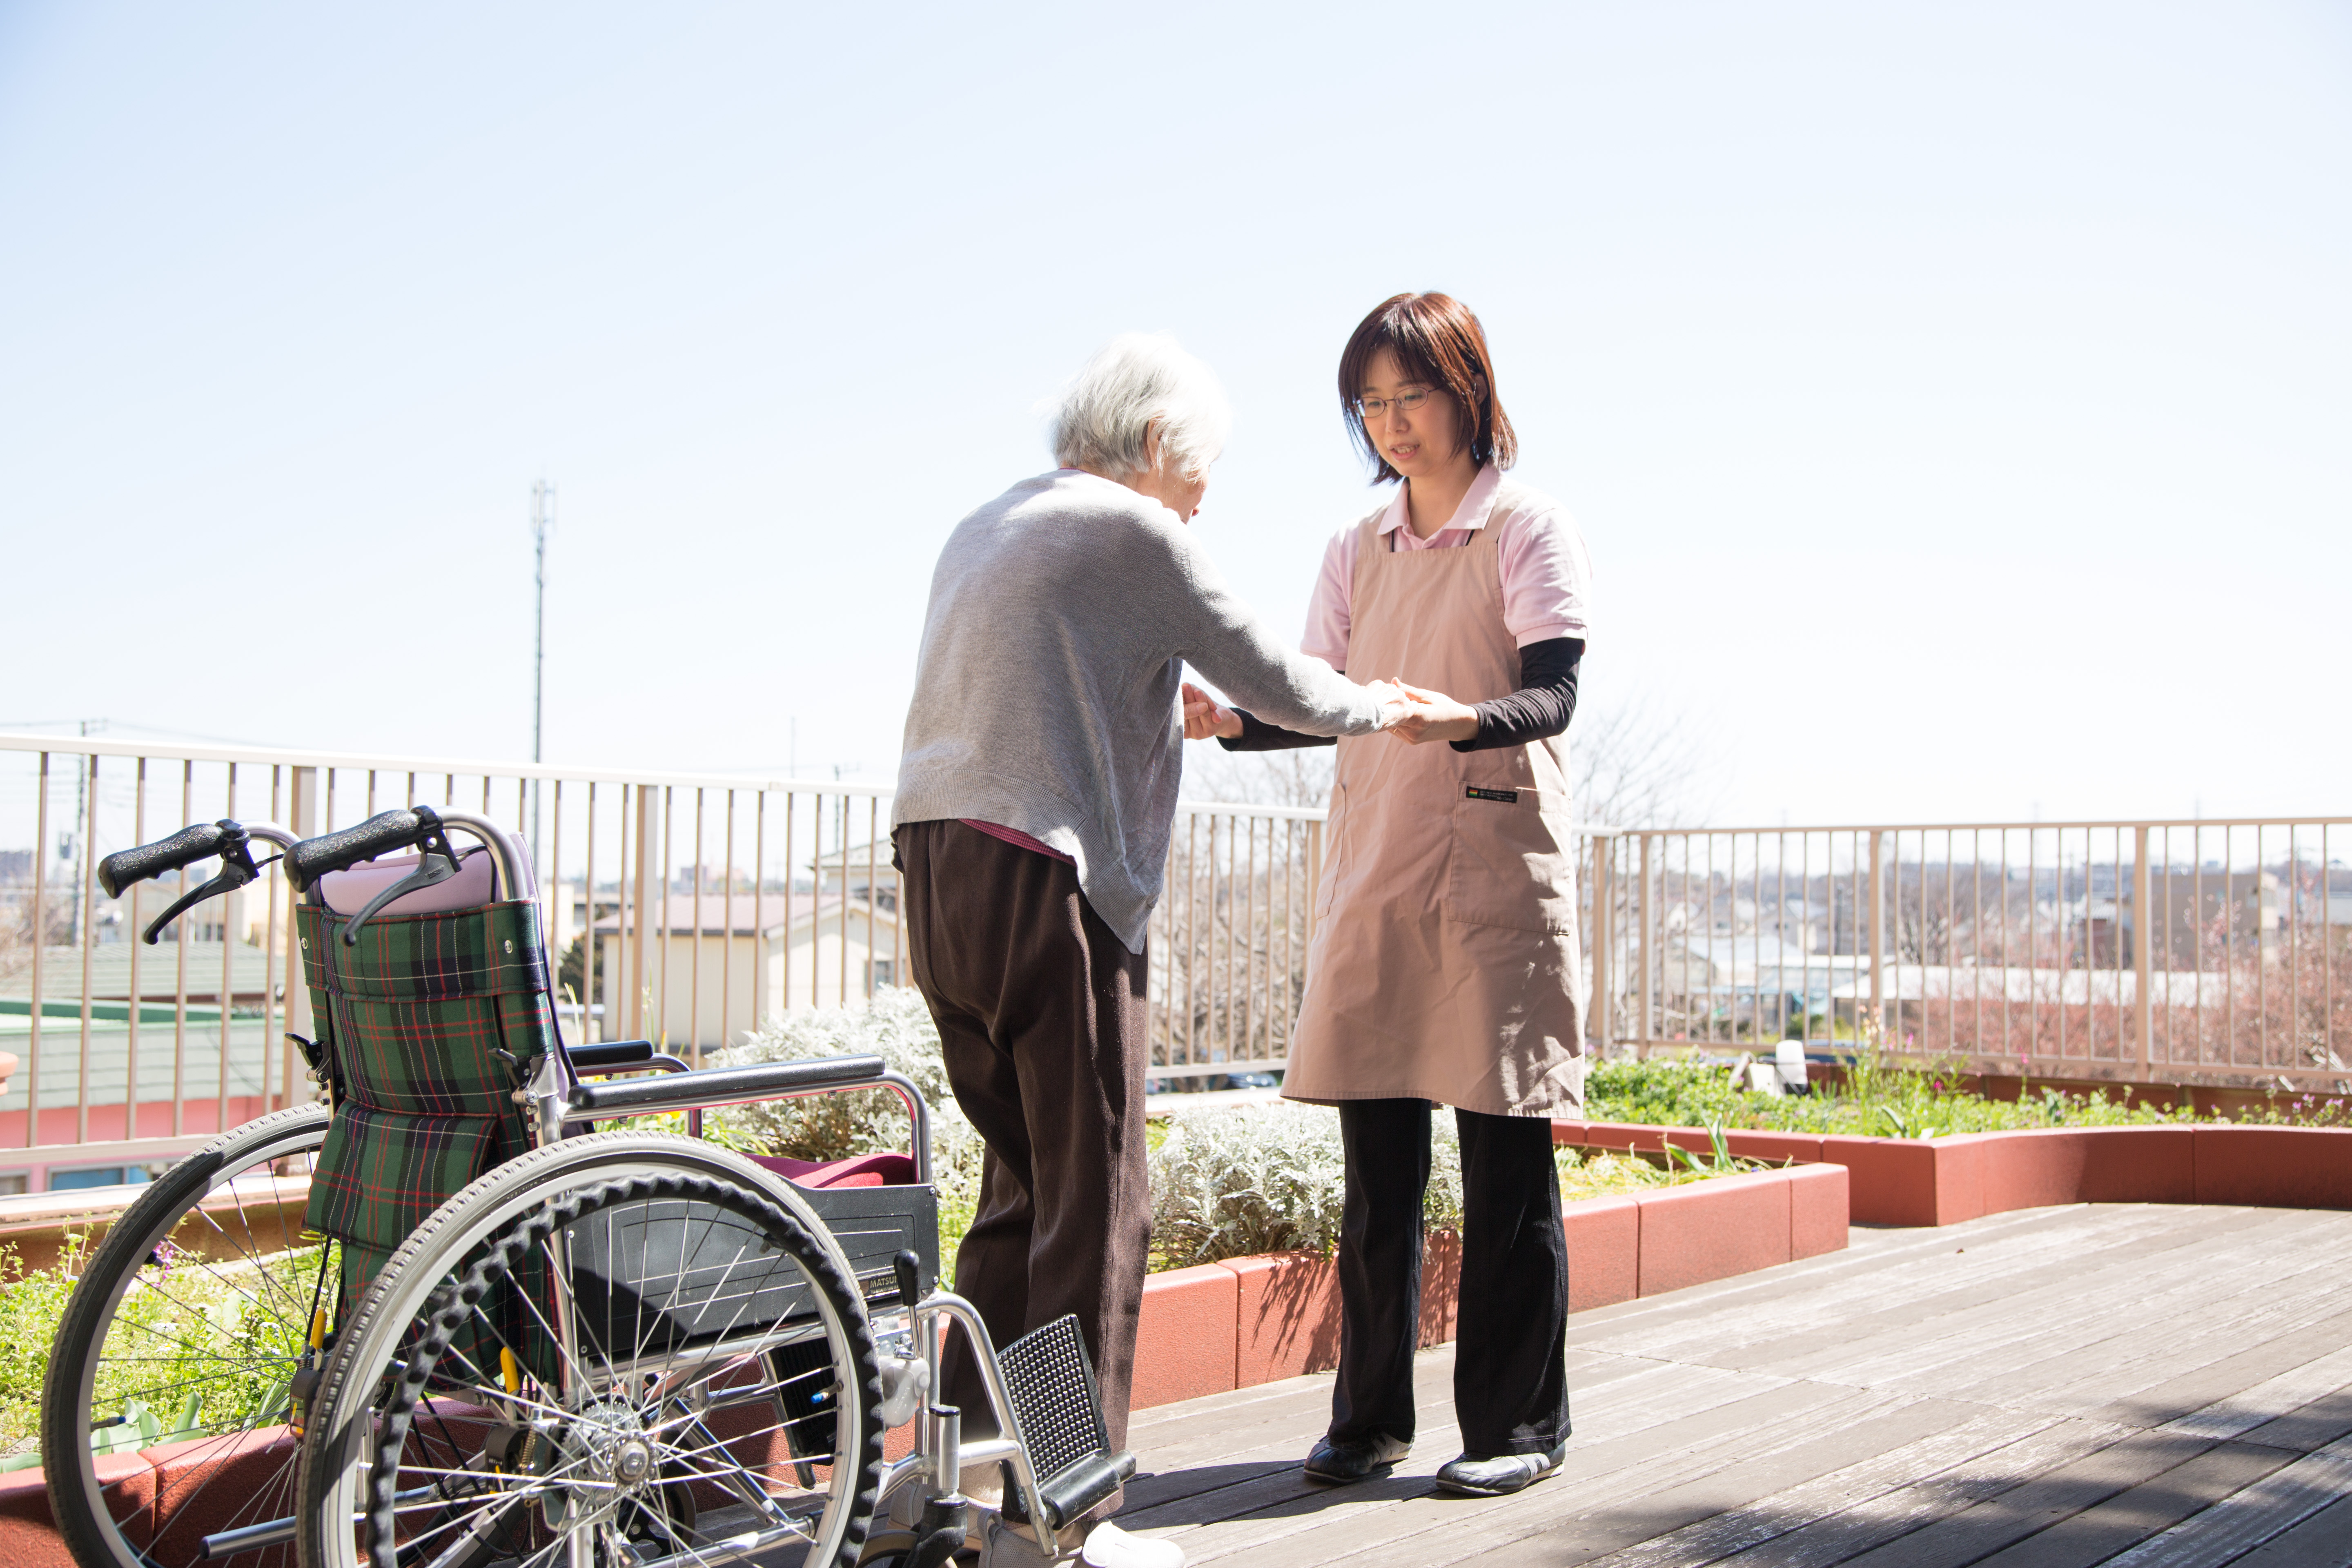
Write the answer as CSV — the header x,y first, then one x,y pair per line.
x,y
159,971
750,913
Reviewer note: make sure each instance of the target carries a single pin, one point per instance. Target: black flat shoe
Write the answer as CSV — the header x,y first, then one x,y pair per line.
x,y
1336,1464
1500,1475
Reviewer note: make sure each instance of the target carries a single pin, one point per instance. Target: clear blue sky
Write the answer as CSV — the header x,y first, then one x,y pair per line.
x,y
1956,397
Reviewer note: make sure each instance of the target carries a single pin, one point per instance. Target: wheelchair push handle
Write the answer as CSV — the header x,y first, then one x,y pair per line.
x,y
402,827
121,869
230,839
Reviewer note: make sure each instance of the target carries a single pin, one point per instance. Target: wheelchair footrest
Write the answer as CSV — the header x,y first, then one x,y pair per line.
x,y
1052,1384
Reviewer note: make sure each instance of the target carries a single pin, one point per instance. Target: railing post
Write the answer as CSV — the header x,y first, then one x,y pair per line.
x,y
1648,1023
1877,942
1596,1024
642,912
85,902
1314,881
40,936
302,821
2143,951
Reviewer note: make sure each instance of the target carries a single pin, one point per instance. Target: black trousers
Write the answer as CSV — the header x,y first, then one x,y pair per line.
x,y
1510,1374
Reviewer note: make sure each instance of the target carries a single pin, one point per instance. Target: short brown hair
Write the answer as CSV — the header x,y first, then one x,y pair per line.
x,y
1436,340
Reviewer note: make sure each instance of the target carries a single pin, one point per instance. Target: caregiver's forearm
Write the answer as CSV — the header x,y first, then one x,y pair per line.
x,y
1257,735
1538,709
1542,705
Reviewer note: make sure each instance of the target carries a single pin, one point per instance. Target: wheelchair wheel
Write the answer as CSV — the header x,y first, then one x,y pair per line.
x,y
627,1349
163,1418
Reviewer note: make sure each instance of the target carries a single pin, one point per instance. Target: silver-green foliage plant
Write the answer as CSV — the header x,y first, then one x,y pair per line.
x,y
897,1026
1246,1179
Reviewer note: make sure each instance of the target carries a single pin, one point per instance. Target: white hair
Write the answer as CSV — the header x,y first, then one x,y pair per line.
x,y
1142,381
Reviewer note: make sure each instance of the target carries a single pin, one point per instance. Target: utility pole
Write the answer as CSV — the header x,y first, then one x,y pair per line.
x,y
543,520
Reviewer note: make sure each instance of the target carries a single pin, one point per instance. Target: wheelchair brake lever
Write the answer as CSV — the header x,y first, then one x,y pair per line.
x,y
437,863
431,870
236,870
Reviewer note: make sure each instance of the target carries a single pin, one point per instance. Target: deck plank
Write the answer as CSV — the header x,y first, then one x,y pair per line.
x,y
1898,1512
1977,1532
2249,1516
2096,1534
2322,1540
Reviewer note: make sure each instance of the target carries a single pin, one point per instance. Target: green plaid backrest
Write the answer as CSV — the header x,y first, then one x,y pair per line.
x,y
430,1022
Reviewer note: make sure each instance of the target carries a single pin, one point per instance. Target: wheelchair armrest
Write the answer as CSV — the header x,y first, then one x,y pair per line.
x,y
723,1086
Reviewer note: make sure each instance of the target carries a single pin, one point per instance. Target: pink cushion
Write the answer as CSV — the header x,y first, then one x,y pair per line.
x,y
858,1171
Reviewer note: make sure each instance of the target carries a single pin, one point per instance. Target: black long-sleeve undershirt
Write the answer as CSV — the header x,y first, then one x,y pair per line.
x,y
1539,709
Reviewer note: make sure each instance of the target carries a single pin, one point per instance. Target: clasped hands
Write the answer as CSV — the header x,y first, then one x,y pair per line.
x,y
1408,713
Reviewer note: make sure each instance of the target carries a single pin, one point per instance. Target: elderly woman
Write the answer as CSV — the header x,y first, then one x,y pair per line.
x,y
1036,795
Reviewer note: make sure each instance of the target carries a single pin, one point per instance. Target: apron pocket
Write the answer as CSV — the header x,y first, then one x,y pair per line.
x,y
1514,859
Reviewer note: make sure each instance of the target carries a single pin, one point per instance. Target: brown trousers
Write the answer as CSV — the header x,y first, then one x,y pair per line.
x,y
1042,1016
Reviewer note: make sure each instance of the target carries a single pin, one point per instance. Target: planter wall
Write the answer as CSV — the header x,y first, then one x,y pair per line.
x,y
1943,1181
1250,1320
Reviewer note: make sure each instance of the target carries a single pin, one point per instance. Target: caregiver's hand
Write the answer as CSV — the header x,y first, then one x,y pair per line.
x,y
1432,716
1204,716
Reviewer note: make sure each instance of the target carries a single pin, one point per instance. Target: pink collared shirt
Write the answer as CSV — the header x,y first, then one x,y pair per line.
x,y
1547,576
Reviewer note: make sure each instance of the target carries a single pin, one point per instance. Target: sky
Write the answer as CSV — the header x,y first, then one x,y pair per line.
x,y
1957,400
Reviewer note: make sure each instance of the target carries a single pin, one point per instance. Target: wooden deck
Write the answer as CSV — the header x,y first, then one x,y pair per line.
x,y
2129,1383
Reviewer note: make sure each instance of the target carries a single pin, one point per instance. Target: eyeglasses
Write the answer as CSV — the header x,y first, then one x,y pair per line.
x,y
1372,409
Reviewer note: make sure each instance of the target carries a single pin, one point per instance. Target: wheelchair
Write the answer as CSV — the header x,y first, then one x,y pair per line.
x,y
509,1329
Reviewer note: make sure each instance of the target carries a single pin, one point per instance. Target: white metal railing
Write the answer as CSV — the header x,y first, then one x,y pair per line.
x,y
694,908
2181,951
686,908
1228,945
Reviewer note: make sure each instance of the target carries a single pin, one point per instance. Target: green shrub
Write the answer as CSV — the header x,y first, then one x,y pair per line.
x,y
233,1331
1883,1100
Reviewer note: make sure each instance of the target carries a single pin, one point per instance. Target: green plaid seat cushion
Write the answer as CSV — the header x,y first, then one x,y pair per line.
x,y
431,1022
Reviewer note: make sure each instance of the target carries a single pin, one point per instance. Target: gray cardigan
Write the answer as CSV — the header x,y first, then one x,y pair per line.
x,y
1062,614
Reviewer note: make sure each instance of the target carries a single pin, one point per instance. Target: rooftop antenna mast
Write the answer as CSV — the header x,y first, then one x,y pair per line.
x,y
542,521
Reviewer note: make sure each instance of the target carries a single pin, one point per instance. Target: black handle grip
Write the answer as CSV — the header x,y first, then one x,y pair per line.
x,y
399,828
610,1055
186,847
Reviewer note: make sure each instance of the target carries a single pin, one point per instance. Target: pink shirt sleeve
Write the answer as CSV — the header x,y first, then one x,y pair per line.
x,y
1546,577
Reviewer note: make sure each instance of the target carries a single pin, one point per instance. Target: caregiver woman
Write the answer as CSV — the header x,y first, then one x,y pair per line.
x,y
1445,965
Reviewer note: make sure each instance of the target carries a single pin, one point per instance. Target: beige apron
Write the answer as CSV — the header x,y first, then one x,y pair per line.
x,y
1446,963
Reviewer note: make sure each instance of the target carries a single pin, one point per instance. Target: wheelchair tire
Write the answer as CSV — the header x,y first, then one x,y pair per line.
x,y
142,1342
441,1433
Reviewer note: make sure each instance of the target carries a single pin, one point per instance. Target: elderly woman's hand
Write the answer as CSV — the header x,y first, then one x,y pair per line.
x,y
1204,716
1432,716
